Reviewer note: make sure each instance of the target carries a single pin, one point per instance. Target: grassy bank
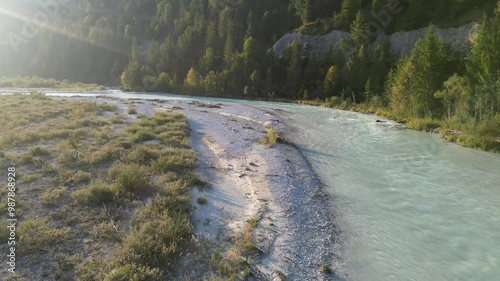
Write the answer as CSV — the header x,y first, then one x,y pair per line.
x,y
98,197
38,82
483,135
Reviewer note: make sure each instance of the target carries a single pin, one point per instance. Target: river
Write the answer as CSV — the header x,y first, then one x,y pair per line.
x,y
409,205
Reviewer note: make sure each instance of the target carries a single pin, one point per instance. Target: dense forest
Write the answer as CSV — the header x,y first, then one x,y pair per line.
x,y
222,48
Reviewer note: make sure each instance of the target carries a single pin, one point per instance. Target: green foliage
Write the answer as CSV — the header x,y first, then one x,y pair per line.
x,y
223,51
132,180
134,272
271,137
413,84
77,216
359,29
94,194
131,78
302,10
455,95
132,110
51,195
202,200
36,234
224,267
105,231
483,68
38,82
331,81
325,269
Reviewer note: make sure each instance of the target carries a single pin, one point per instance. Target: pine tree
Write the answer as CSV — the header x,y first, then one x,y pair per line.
x,y
228,52
293,70
400,83
484,59
330,81
302,10
359,29
348,11
430,59
368,93
208,60
131,78
193,81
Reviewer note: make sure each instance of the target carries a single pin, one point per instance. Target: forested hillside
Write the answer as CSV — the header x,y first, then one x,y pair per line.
x,y
221,48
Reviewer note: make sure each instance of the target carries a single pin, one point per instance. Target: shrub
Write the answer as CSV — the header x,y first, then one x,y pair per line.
x,y
51,195
424,124
39,151
202,200
36,234
66,262
96,193
143,154
143,135
38,96
26,159
75,177
175,162
134,272
132,180
132,110
105,231
106,153
91,269
117,120
156,241
271,138
325,269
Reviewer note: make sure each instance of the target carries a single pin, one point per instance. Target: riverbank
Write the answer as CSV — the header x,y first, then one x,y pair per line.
x,y
257,211
482,135
264,207
36,83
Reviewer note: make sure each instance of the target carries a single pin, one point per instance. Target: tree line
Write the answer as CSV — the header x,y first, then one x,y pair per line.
x,y
222,48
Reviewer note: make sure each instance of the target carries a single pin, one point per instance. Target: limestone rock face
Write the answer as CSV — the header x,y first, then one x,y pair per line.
x,y
401,42
320,45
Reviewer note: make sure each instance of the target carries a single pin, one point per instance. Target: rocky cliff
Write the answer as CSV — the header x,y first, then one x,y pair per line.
x,y
401,42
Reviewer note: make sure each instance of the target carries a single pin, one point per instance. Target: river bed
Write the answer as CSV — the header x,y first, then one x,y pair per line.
x,y
409,205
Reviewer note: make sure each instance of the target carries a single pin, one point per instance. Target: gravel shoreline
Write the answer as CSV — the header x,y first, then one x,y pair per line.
x,y
295,231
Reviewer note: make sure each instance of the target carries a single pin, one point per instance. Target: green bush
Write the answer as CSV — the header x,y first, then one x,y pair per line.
x,y
105,231
51,195
143,135
106,153
132,110
156,241
36,234
271,138
96,193
132,179
92,269
134,272
202,200
424,124
143,154
75,177
39,151
173,162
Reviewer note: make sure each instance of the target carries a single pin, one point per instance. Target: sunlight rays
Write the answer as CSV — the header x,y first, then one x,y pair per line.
x,y
41,20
